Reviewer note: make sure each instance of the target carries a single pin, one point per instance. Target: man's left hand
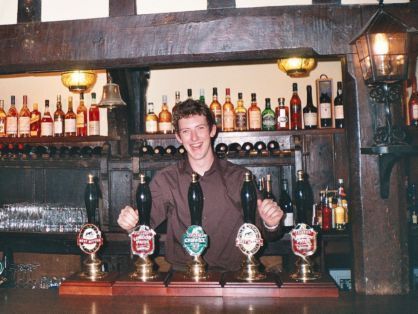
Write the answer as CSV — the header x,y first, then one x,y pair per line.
x,y
269,212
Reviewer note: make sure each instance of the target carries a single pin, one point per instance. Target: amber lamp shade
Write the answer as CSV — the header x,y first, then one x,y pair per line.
x,y
382,48
78,81
296,66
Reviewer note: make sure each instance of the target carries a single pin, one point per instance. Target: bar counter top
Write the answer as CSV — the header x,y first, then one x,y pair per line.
x,y
48,301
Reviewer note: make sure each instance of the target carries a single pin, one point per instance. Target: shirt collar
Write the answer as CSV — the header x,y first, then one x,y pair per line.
x,y
186,168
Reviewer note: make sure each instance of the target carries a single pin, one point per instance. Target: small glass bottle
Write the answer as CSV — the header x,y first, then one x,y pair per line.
x,y
94,117
151,120
216,109
11,119
189,93
310,113
3,118
202,96
70,119
285,203
24,119
413,104
35,121
325,110
339,107
254,115
59,118
267,117
295,109
228,113
47,121
164,118
268,193
81,122
282,116
240,115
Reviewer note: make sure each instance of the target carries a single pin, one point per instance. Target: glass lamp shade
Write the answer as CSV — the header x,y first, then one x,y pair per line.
x,y
297,66
78,81
382,48
111,96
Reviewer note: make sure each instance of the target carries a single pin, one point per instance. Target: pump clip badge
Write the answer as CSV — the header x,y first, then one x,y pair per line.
x,y
89,239
249,239
195,240
303,239
142,241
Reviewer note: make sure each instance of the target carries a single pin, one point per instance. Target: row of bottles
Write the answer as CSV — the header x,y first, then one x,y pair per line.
x,y
230,118
26,151
259,148
26,123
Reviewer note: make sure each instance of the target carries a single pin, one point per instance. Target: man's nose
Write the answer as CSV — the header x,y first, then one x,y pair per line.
x,y
194,135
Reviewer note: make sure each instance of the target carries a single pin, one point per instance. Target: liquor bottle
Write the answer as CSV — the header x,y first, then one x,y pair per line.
x,y
326,214
268,193
228,113
310,113
339,107
302,200
267,117
248,199
202,96
413,104
3,117
282,116
35,121
146,150
170,150
70,119
94,117
339,215
295,109
164,118
59,118
254,115
195,200
11,119
81,122
189,93
221,150
24,119
47,122
285,203
240,115
143,201
91,200
151,120
216,109
325,110
177,98
343,195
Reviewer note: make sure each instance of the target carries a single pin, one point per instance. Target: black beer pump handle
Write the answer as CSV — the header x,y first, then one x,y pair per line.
x,y
143,201
91,200
195,198
248,199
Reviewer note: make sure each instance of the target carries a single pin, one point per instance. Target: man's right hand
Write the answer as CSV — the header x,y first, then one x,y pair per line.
x,y
128,218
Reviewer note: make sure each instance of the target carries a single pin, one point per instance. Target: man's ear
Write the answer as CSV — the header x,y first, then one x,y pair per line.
x,y
213,131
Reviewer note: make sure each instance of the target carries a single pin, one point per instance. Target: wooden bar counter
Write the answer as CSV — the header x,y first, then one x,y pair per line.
x,y
48,301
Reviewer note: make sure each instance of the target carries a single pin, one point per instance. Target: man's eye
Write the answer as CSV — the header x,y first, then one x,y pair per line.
x,y
185,132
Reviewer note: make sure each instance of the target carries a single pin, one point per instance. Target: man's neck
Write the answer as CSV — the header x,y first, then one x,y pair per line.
x,y
201,166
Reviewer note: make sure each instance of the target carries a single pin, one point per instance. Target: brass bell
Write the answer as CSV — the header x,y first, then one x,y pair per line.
x,y
111,97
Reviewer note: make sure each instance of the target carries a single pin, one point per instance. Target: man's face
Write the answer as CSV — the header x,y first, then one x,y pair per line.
x,y
195,135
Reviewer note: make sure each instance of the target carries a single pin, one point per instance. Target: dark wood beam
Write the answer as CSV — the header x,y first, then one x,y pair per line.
x,y
122,7
185,38
29,11
326,1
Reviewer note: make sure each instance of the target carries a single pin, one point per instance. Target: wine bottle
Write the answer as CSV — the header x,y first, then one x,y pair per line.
x,y
81,119
143,201
234,148
310,113
91,200
24,119
70,119
248,199
11,119
267,117
247,147
94,117
189,93
170,150
339,107
158,150
75,151
221,150
64,151
3,118
303,200
285,203
47,121
86,151
59,119
273,146
181,150
325,110
195,199
295,109
260,147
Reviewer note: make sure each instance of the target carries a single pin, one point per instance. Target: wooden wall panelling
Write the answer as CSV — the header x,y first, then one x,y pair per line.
x,y
17,185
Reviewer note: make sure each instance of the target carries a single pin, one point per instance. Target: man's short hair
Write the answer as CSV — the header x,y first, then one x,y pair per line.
x,y
189,108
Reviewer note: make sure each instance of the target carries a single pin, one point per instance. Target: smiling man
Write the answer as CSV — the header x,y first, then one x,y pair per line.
x,y
221,183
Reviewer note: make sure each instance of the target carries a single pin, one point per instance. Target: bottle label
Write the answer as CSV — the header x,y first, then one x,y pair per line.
x,y
241,121
339,215
165,127
295,108
69,125
325,110
24,125
80,120
34,118
217,115
58,127
310,119
339,112
11,125
151,126
228,120
94,128
415,112
255,119
288,220
46,129
268,121
282,118
2,126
